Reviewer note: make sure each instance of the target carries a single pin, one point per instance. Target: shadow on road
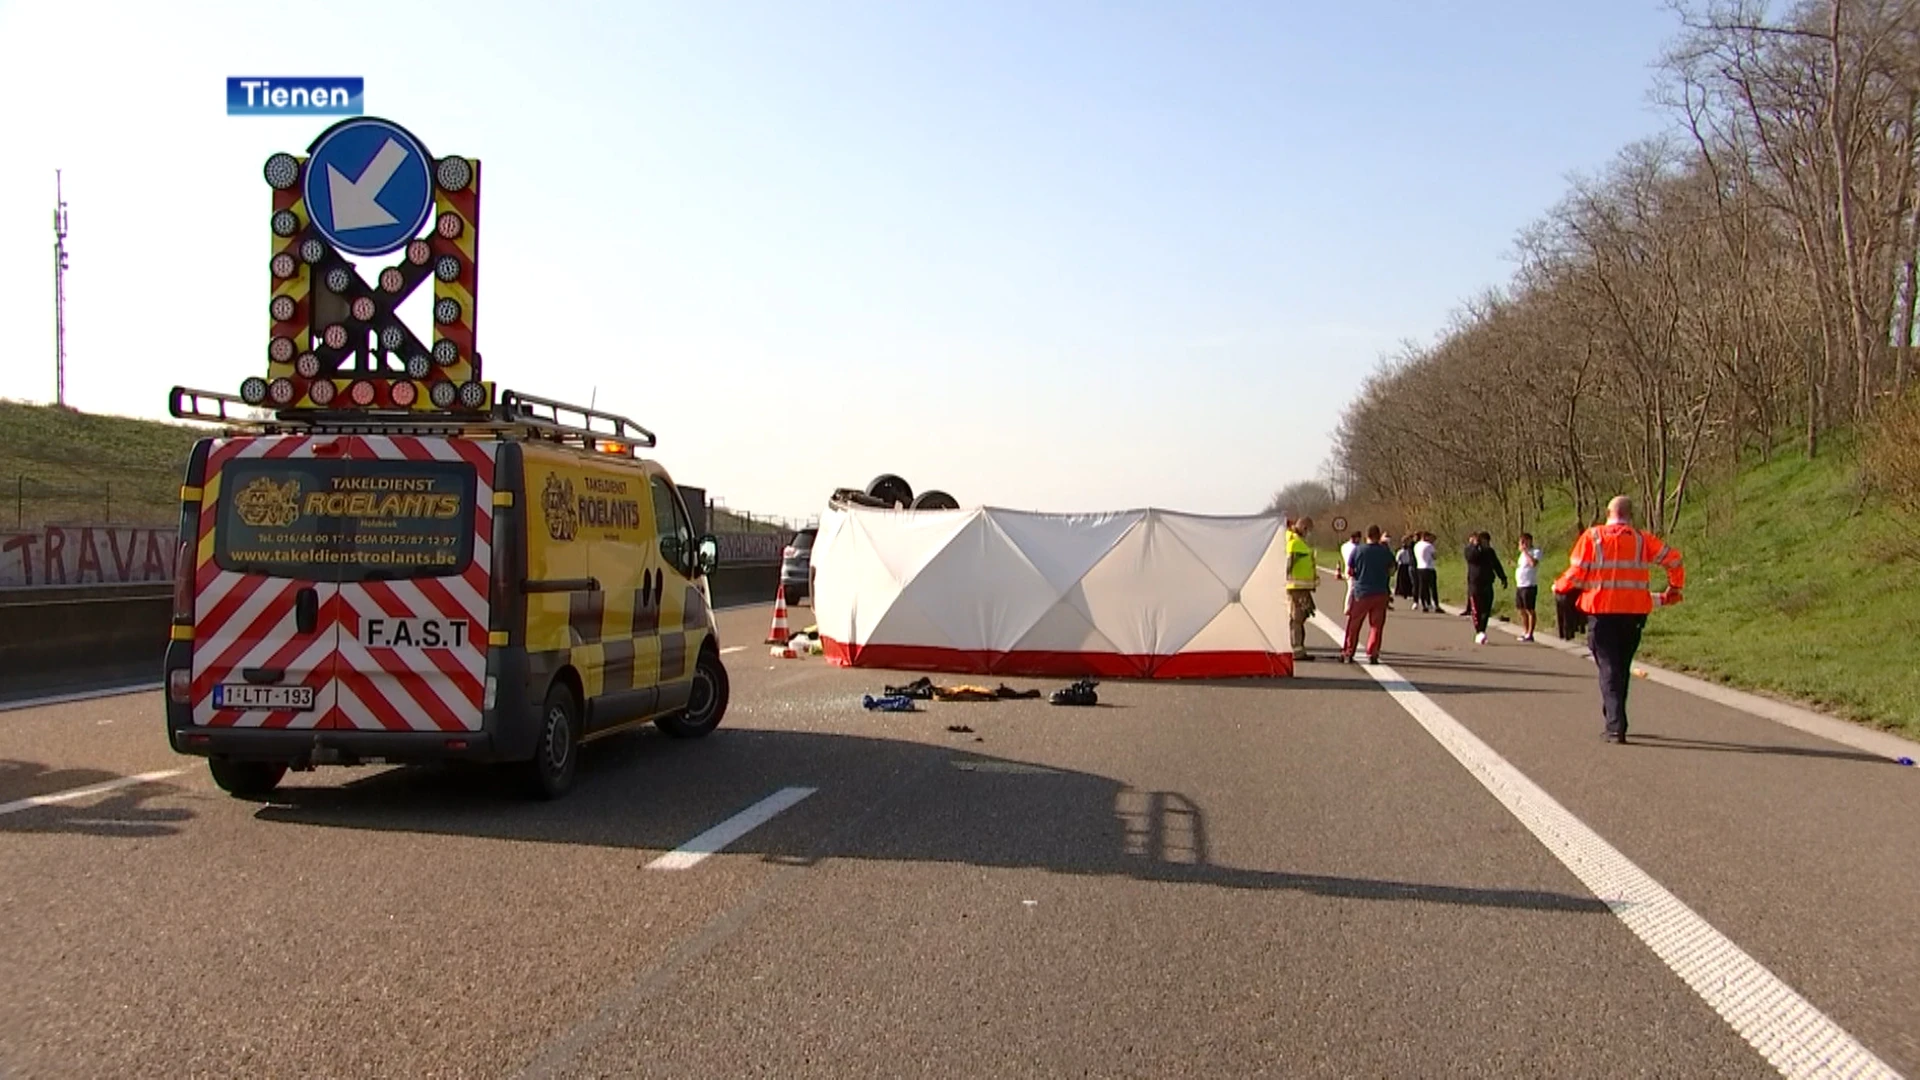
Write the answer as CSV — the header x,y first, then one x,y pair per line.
x,y
894,800
1470,665
122,812
1669,742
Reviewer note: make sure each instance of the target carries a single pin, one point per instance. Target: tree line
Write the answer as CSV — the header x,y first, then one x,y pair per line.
x,y
1742,283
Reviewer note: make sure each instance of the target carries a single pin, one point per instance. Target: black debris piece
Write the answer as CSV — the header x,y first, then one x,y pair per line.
x,y
1080,693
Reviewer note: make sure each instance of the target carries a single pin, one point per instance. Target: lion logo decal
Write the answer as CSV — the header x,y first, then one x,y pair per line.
x,y
556,500
264,504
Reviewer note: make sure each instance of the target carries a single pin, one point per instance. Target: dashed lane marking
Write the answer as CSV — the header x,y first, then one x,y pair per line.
x,y
18,805
1792,1035
717,838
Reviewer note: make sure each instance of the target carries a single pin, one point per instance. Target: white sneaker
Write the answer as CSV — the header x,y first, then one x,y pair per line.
x,y
1480,639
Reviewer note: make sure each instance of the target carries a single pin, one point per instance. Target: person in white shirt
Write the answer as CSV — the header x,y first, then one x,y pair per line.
x,y
1526,584
1346,556
1426,568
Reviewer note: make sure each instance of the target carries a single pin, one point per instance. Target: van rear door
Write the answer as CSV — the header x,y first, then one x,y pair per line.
x,y
265,592
416,519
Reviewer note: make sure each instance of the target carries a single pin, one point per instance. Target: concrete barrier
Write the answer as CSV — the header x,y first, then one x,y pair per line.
x,y
52,636
60,636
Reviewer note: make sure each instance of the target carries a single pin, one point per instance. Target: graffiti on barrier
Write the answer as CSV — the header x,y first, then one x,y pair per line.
x,y
109,555
737,548
86,555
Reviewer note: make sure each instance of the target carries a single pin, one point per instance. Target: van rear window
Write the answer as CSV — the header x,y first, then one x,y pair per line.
x,y
335,520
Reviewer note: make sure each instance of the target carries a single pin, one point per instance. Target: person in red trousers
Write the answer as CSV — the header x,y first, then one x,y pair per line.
x,y
1370,574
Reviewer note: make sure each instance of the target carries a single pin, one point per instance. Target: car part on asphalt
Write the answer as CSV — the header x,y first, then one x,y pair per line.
x,y
1080,693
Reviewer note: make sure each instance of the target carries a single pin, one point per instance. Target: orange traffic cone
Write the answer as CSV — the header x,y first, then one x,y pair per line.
x,y
778,636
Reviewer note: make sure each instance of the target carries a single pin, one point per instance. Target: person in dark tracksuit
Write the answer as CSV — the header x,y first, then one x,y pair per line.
x,y
1483,567
1610,573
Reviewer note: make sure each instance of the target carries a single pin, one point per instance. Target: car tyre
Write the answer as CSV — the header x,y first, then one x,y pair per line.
x,y
707,703
891,490
246,779
935,500
556,752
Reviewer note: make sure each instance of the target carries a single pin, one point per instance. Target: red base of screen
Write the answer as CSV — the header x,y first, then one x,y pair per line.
x,y
1239,664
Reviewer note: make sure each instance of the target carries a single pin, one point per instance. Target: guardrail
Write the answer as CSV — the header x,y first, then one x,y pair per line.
x,y
55,636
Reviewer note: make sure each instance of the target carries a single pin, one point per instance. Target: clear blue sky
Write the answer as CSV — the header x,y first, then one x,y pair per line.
x,y
1063,256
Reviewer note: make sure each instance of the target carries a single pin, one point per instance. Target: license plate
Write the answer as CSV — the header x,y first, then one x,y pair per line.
x,y
247,696
431,632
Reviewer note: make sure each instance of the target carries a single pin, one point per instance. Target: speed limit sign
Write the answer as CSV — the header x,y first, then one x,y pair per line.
x,y
1339,524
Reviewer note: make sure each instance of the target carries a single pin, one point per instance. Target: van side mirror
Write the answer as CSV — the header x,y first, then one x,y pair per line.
x,y
709,554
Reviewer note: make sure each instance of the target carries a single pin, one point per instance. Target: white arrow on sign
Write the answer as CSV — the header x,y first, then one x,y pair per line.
x,y
353,200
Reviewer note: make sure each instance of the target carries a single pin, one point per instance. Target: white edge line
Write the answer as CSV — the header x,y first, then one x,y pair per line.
x,y
731,649
1832,728
717,838
80,695
82,792
1787,1030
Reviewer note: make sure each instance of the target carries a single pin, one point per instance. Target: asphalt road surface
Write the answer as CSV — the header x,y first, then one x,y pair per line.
x,y
1358,872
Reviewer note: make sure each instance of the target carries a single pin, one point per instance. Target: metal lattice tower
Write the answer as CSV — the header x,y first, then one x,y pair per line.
x,y
59,292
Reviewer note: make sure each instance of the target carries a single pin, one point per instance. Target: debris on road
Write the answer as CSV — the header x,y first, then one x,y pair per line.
x,y
888,703
960,729
1080,693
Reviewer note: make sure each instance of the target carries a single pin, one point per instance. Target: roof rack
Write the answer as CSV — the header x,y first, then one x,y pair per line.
x,y
518,414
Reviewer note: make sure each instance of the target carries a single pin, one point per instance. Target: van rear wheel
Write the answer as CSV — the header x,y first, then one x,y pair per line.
x,y
556,752
706,704
246,779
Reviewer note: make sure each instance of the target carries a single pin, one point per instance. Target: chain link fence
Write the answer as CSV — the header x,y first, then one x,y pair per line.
x,y
32,502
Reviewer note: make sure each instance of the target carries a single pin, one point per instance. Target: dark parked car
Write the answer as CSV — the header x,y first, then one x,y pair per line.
x,y
796,567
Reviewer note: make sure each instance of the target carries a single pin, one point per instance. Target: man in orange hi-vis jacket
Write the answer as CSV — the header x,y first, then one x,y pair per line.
x,y
1611,572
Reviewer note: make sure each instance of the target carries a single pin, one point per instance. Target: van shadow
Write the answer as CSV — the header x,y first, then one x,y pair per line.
x,y
891,800
122,812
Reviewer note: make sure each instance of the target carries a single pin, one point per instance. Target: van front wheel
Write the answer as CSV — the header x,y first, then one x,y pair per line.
x,y
557,751
246,779
706,704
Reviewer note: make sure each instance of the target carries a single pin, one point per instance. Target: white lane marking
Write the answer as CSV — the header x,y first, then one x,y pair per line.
x,y
1796,1038
18,805
80,695
731,649
1871,740
735,827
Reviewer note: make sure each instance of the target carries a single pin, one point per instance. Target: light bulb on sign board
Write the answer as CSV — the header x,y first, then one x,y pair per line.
x,y
282,171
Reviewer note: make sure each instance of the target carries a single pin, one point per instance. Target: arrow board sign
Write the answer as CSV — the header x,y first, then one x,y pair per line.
x,y
369,186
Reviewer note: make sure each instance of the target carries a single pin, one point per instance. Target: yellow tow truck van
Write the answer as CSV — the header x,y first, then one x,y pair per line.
x,y
379,588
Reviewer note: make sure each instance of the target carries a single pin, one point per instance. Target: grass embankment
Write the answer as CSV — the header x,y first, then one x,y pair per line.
x,y
58,466
61,466
1796,588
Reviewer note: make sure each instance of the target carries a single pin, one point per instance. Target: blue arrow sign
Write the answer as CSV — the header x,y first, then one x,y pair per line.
x,y
369,186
